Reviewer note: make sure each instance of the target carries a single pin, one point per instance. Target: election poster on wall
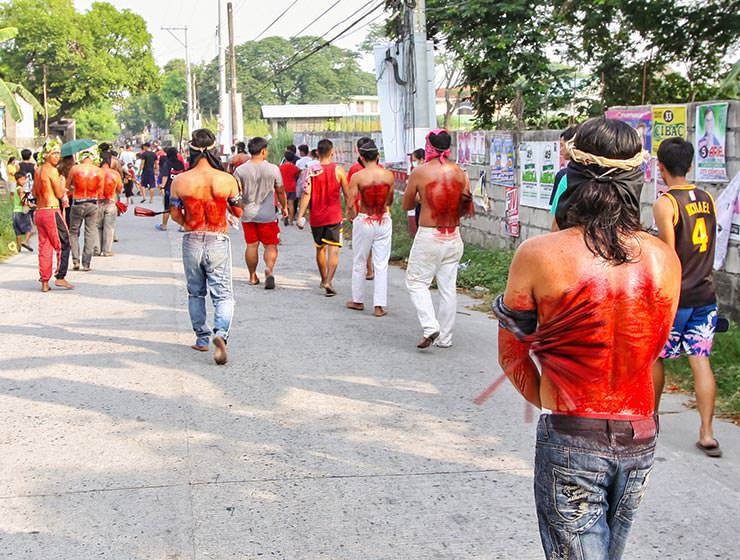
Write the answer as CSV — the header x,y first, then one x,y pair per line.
x,y
538,165
669,121
502,160
641,119
511,223
711,136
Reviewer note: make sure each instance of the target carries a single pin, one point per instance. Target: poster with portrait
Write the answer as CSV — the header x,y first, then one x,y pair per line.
x,y
538,165
480,192
478,147
669,121
641,119
502,160
711,133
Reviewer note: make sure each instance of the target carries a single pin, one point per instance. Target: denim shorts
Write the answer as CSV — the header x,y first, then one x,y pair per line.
x,y
590,477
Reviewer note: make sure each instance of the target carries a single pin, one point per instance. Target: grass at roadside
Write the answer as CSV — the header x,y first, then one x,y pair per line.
x,y
7,236
726,365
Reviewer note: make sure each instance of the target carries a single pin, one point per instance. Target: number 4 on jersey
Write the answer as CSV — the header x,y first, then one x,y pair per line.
x,y
700,236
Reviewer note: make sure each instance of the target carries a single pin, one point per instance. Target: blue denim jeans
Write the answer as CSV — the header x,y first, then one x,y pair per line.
x,y
207,261
589,478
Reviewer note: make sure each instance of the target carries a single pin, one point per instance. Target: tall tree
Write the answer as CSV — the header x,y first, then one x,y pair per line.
x,y
102,54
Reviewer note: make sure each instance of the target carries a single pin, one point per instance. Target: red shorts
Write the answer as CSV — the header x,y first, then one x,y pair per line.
x,y
267,233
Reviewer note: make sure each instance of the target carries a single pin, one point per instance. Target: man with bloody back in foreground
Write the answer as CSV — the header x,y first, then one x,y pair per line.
x,y
595,303
444,192
200,199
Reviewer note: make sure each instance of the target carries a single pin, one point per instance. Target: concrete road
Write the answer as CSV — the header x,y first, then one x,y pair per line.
x,y
328,435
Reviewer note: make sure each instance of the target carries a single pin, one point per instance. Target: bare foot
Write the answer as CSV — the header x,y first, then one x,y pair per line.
x,y
356,306
379,311
219,355
45,287
62,283
427,340
199,348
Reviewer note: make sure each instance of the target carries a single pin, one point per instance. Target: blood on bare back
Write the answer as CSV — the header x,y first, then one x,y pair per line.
x,y
374,199
444,197
596,345
87,182
205,215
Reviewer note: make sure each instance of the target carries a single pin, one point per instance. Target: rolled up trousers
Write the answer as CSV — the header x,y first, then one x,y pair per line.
x,y
53,238
435,254
371,234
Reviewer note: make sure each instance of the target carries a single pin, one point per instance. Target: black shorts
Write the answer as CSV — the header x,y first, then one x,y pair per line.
x,y
327,235
290,195
128,189
166,198
147,180
22,223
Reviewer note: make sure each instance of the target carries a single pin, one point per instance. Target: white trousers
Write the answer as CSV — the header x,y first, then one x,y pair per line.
x,y
370,235
435,255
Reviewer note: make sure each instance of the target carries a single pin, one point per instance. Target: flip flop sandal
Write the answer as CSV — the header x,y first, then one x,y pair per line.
x,y
270,282
330,292
253,283
710,450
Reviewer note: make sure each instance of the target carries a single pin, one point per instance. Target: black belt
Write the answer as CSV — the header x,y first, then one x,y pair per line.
x,y
85,201
644,428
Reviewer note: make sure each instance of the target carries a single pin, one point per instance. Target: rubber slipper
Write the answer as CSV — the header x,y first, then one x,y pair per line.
x,y
329,291
270,282
253,283
199,348
710,450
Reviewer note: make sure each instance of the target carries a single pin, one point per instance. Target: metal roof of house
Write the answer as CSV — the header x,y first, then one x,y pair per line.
x,y
314,111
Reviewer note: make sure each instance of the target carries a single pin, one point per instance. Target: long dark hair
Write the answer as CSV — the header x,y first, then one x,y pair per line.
x,y
203,138
606,204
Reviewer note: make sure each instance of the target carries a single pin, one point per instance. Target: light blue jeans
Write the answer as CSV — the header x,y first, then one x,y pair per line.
x,y
589,479
206,258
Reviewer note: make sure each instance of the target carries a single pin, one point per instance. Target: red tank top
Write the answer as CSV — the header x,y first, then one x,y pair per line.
x,y
326,204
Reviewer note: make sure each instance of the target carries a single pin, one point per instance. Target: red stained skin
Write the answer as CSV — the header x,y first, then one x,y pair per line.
x,y
205,215
373,201
111,180
596,346
444,198
87,182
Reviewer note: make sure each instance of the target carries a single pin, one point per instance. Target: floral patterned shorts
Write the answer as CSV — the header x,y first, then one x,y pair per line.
x,y
692,332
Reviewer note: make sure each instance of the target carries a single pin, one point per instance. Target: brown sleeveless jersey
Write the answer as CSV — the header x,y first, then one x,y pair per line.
x,y
695,226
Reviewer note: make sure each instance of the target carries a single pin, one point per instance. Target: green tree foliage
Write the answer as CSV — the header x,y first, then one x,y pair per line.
x,y
164,107
97,122
329,76
668,50
90,57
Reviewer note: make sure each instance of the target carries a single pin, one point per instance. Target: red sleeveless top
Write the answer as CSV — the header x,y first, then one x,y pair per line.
x,y
326,203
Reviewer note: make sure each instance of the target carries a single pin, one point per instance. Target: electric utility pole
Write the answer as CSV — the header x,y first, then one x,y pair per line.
x,y
224,129
232,69
423,88
188,77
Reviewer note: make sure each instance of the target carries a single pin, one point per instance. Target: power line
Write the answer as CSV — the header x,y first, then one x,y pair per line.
x,y
285,11
317,40
317,18
320,47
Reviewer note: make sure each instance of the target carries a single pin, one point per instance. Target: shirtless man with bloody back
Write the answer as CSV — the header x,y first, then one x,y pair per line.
x,y
594,303
86,183
200,200
48,190
444,191
371,192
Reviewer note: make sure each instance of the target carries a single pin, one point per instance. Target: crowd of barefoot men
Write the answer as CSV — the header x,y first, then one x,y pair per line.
x,y
599,301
